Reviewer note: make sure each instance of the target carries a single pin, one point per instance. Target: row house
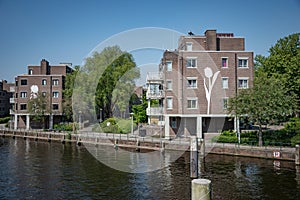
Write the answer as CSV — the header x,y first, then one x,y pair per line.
x,y
46,80
196,81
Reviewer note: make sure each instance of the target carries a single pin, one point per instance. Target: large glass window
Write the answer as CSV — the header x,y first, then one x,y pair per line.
x,y
192,103
169,66
243,63
192,83
169,103
23,81
191,62
243,83
224,82
224,62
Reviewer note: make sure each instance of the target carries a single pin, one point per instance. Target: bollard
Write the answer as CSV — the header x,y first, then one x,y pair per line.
x,y
201,189
194,157
297,155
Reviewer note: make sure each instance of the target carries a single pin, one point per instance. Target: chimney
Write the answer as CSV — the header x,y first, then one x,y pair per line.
x,y
45,68
211,40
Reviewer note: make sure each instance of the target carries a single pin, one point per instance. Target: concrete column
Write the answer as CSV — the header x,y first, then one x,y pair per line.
x,y
149,116
27,122
201,189
297,155
167,127
51,122
199,128
16,121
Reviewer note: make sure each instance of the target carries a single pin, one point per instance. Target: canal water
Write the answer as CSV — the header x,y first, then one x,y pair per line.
x,y
41,170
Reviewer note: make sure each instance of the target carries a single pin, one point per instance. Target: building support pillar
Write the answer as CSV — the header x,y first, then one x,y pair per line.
x,y
16,117
167,127
149,110
51,122
237,127
27,122
199,127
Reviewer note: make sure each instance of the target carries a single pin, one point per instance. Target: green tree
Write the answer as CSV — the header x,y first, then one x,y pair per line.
x,y
139,110
283,61
67,94
268,101
39,107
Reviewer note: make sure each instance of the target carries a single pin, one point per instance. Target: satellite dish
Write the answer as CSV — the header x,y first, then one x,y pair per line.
x,y
34,89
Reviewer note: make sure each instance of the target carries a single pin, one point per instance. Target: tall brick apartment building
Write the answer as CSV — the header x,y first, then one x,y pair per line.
x,y
195,81
6,93
43,79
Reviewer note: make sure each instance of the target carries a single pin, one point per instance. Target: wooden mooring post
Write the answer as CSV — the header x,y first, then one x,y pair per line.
x,y
297,155
201,189
194,157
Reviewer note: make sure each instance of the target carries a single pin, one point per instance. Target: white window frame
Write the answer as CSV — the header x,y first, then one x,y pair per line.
x,y
169,66
225,103
192,105
243,59
55,82
188,59
55,94
169,106
189,46
225,86
243,79
169,85
23,94
44,82
226,62
190,86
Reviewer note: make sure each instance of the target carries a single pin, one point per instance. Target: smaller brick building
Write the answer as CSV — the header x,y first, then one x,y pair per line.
x,y
43,79
6,93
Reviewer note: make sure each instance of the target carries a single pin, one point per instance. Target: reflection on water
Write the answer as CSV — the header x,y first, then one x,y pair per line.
x,y
40,170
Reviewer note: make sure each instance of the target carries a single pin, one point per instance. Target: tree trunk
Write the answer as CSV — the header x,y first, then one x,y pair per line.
x,y
260,141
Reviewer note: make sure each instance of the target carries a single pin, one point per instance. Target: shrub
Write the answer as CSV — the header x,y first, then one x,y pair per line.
x,y
4,120
295,140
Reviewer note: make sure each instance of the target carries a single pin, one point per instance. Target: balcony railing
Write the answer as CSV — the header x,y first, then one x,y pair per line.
x,y
11,100
155,94
155,111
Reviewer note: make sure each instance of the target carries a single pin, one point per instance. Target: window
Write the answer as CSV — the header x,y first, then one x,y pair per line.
x,y
44,82
192,83
224,82
224,62
30,71
23,94
55,82
225,103
169,66
173,122
191,62
23,82
169,85
243,83
55,107
192,103
243,62
169,103
44,94
23,107
55,94
189,46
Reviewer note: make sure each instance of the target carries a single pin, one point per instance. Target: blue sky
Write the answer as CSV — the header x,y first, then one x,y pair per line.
x,y
68,30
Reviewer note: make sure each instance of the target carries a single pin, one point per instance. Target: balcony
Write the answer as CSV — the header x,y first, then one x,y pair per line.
x,y
154,76
155,94
11,111
11,100
155,111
